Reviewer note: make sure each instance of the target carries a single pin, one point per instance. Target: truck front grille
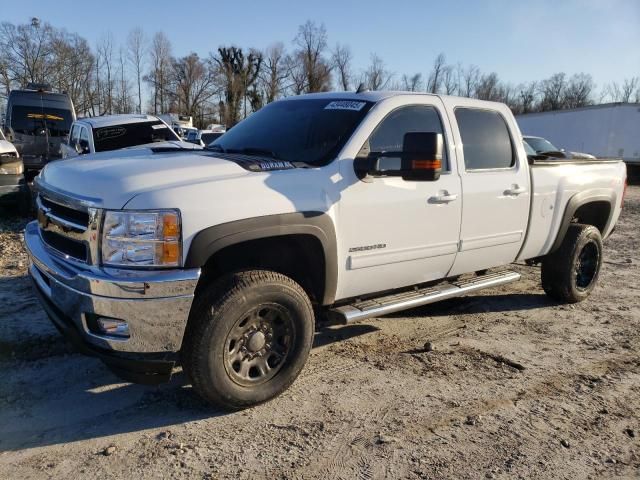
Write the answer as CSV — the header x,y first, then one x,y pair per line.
x,y
80,218
66,245
68,227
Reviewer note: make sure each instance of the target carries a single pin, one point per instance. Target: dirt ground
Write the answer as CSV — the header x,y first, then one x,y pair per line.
x,y
515,387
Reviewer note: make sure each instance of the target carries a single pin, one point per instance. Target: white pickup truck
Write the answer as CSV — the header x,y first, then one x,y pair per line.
x,y
347,205
113,132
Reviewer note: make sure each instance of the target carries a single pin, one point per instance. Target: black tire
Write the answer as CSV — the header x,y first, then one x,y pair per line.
x,y
570,273
248,337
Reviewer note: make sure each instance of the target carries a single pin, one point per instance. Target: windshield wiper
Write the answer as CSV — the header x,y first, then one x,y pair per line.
x,y
215,148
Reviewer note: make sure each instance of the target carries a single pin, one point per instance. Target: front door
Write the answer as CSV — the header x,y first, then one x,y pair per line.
x,y
396,232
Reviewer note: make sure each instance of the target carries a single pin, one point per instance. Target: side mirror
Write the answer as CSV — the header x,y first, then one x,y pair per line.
x,y
420,159
82,148
422,156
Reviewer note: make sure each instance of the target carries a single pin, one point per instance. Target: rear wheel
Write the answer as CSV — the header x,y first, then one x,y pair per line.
x,y
249,336
570,273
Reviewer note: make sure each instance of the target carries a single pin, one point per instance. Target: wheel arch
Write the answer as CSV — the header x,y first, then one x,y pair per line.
x,y
591,207
310,235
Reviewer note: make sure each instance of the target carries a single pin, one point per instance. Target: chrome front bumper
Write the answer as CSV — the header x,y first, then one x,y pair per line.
x,y
155,304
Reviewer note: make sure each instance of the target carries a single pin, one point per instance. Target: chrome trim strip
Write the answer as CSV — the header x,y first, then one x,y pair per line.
x,y
350,313
37,276
61,221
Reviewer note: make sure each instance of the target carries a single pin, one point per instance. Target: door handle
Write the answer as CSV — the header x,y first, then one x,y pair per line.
x,y
515,190
443,197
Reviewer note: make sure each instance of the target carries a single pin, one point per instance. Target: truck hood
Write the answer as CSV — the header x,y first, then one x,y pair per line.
x,y
111,179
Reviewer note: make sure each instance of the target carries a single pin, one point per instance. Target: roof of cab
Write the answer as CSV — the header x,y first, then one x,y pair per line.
x,y
369,96
378,95
111,120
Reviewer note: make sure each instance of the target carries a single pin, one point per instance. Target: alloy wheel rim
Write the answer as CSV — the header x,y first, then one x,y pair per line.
x,y
586,266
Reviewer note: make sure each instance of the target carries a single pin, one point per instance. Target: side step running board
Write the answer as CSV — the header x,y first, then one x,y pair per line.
x,y
415,298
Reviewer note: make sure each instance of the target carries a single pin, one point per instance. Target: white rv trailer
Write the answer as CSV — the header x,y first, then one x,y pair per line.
x,y
610,130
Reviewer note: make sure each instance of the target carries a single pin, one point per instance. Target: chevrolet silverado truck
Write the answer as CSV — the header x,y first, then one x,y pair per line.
x,y
341,206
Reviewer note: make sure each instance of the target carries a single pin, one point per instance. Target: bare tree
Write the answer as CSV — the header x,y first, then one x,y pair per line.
x,y
274,72
159,76
435,77
136,47
105,56
624,92
450,80
578,91
238,73
122,97
26,51
412,83
311,41
469,78
376,76
487,88
341,59
296,74
194,83
528,93
552,92
72,69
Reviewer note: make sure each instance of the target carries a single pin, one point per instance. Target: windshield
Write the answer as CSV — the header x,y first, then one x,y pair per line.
x,y
131,134
310,130
34,121
540,145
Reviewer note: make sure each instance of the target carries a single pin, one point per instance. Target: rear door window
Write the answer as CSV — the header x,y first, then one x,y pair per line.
x,y
129,135
486,141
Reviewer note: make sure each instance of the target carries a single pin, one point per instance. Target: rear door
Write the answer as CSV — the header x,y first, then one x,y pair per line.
x,y
495,185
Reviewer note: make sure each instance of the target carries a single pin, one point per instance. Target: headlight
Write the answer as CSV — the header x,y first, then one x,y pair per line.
x,y
141,238
14,168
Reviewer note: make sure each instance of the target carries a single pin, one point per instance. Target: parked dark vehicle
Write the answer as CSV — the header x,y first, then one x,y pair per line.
x,y
203,137
37,121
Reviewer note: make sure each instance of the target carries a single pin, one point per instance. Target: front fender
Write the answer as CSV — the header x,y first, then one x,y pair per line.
x,y
318,224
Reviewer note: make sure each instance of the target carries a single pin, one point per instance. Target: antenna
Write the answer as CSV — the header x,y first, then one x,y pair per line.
x,y
362,88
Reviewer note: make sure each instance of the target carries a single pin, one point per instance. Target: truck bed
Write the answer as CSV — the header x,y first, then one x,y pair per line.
x,y
555,182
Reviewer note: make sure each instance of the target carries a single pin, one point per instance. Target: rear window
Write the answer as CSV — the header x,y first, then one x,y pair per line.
x,y
486,142
129,135
41,121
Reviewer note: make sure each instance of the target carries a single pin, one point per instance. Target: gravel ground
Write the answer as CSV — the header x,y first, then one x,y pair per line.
x,y
502,384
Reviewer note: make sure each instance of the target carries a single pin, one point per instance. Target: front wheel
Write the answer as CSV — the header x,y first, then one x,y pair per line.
x,y
249,336
570,273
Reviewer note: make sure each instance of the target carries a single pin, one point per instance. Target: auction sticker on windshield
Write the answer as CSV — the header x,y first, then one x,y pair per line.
x,y
345,105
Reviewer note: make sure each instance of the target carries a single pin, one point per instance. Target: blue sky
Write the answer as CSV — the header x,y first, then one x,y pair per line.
x,y
520,40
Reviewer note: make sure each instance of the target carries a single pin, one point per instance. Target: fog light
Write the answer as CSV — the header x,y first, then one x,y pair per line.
x,y
113,327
